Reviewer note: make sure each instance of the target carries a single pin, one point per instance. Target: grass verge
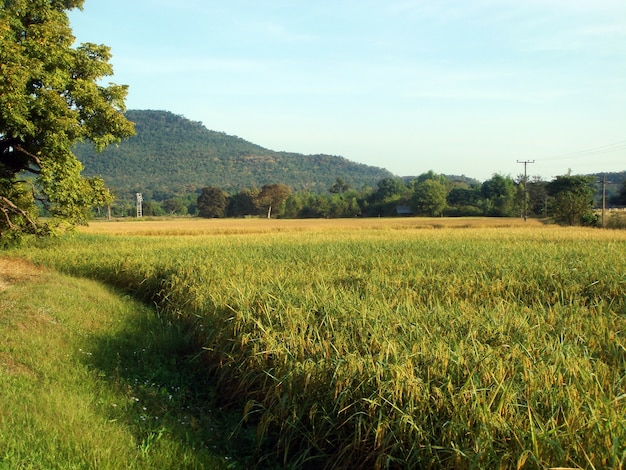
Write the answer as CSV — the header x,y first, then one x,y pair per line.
x,y
92,379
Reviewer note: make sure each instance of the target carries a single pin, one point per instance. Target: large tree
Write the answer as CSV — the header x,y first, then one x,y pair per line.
x,y
389,189
243,203
51,97
272,196
499,196
212,202
429,194
572,199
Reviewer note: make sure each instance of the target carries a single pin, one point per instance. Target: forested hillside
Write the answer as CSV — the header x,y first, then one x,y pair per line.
x,y
171,155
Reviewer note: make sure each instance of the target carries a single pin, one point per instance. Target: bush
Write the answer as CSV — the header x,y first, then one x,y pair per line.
x,y
617,220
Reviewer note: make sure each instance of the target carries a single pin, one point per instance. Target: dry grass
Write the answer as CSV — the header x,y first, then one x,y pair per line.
x,y
197,226
14,270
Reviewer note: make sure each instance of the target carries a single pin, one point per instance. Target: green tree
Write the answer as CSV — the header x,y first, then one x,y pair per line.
x,y
243,203
572,199
499,194
537,196
272,196
51,97
621,198
389,189
429,197
294,205
212,202
151,208
339,186
100,194
464,200
385,198
431,175
175,205
316,205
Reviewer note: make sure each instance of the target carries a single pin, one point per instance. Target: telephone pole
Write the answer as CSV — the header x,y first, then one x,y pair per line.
x,y
604,182
525,162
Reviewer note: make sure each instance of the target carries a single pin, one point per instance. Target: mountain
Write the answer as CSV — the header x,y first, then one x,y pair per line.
x,y
171,155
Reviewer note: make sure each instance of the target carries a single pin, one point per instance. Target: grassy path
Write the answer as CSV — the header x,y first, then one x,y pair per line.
x,y
91,379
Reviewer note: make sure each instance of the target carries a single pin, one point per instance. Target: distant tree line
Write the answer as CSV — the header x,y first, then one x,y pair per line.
x,y
567,199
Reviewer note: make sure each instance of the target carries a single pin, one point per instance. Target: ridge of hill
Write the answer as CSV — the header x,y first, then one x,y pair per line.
x,y
171,154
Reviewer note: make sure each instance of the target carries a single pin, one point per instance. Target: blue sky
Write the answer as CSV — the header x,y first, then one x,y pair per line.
x,y
454,86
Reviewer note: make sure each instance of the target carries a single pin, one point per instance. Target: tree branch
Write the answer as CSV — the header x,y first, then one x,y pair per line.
x,y
10,151
33,157
8,219
9,206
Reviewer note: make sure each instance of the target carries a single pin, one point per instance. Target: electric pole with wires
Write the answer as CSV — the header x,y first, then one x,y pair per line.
x,y
525,162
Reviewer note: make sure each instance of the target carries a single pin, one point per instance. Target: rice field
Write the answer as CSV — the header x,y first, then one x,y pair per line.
x,y
403,343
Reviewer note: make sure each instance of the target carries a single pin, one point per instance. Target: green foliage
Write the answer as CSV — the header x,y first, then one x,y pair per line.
x,y
452,348
339,186
175,206
429,194
617,220
464,200
499,194
172,155
389,193
389,189
621,199
537,197
93,379
572,199
149,209
51,98
211,203
308,205
243,203
431,175
272,196
615,184
18,214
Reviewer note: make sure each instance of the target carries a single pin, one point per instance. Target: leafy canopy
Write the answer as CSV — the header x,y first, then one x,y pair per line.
x,y
50,99
572,199
212,202
272,195
429,195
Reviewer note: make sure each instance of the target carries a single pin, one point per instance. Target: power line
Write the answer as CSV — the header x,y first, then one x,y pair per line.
x,y
589,152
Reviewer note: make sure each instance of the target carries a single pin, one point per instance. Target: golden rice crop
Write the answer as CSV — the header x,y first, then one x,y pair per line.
x,y
397,346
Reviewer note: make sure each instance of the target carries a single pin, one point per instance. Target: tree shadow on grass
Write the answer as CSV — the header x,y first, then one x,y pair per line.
x,y
158,367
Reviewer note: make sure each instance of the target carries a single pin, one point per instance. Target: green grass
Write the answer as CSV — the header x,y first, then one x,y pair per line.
x,y
374,347
92,379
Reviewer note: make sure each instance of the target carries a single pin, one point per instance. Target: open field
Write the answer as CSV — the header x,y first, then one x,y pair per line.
x,y
486,343
199,226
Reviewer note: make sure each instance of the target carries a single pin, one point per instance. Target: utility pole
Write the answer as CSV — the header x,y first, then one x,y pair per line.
x,y
604,182
525,162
